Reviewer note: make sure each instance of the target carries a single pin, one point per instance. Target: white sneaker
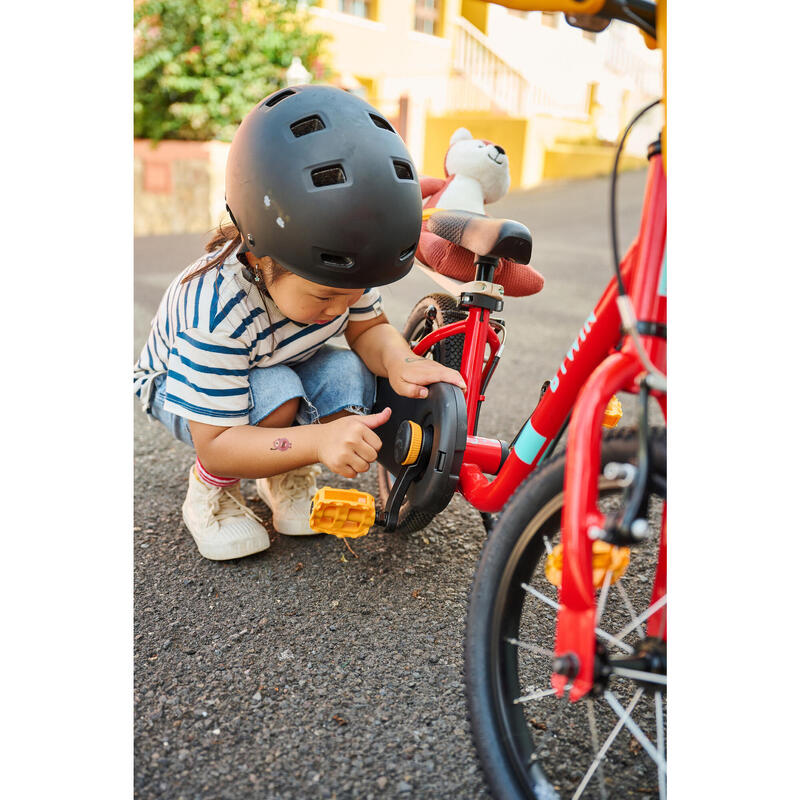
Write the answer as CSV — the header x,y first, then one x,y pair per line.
x,y
289,495
220,522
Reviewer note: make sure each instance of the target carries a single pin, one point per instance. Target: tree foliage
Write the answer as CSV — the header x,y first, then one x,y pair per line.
x,y
201,65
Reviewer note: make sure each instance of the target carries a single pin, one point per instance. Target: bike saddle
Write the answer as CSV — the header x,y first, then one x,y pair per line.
x,y
440,445
485,236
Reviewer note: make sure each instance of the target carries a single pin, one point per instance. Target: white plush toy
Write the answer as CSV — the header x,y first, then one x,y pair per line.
x,y
477,173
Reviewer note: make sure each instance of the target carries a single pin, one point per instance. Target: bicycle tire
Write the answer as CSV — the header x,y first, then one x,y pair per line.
x,y
447,352
518,763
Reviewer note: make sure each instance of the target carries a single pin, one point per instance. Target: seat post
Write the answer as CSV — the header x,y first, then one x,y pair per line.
x,y
485,267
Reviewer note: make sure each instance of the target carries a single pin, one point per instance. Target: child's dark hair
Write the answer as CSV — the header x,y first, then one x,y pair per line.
x,y
227,237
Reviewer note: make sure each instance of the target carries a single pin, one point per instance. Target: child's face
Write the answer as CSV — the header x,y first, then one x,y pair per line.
x,y
307,302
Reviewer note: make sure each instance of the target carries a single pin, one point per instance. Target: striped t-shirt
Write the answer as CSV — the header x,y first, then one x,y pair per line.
x,y
209,332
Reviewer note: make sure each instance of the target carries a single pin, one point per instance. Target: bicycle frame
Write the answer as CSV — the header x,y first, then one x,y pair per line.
x,y
599,363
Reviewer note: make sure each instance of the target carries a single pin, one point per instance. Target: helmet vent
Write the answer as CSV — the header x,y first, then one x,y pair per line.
x,y
328,176
403,171
409,251
273,101
381,123
332,260
307,125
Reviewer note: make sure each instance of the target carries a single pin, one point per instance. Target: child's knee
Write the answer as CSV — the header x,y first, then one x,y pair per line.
x,y
283,416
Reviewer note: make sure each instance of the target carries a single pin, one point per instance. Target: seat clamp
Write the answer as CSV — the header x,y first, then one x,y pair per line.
x,y
495,290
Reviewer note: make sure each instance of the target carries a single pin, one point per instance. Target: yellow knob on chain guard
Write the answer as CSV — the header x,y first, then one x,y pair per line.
x,y
342,512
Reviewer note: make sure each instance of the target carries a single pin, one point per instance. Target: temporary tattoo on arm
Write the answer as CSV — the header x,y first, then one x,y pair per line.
x,y
281,444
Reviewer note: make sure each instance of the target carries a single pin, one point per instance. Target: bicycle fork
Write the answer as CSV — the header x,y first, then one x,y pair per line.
x,y
575,628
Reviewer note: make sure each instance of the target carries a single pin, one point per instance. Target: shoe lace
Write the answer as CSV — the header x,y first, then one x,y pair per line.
x,y
224,504
298,483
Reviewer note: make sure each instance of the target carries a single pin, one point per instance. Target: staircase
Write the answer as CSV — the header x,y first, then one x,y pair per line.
x,y
482,80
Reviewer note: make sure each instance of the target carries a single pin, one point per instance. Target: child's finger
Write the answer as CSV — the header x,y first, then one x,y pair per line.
x,y
439,372
357,463
366,451
408,388
454,377
376,420
372,440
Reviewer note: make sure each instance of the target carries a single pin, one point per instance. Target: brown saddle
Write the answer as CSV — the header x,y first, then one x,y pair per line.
x,y
482,235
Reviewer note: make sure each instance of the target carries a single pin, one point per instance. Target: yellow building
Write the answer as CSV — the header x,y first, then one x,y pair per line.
x,y
550,94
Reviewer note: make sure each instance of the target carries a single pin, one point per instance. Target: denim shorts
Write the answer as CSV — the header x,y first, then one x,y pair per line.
x,y
333,379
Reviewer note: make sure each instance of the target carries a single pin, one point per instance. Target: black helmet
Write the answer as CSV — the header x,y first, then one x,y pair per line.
x,y
317,179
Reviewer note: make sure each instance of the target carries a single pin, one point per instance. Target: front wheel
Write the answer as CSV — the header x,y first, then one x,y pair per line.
x,y
532,744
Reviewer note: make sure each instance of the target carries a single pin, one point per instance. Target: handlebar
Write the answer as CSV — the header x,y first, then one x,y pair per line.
x,y
641,13
567,6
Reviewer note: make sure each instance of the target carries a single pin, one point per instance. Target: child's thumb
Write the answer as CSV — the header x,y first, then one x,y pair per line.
x,y
376,420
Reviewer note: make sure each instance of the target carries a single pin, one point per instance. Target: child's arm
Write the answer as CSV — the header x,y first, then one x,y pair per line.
x,y
385,352
346,446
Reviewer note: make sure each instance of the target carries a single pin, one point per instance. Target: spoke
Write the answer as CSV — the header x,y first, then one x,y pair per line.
x,y
535,696
601,633
662,775
601,603
596,746
609,638
625,599
543,597
643,616
635,730
640,675
534,648
608,742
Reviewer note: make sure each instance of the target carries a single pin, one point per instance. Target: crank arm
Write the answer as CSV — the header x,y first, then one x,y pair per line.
x,y
388,517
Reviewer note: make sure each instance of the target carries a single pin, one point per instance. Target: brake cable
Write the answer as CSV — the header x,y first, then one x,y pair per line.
x,y
636,19
656,378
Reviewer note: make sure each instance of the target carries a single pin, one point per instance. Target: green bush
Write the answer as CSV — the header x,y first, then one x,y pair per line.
x,y
201,65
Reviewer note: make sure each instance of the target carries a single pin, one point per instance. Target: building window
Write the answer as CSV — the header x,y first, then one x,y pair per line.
x,y
358,8
550,18
426,16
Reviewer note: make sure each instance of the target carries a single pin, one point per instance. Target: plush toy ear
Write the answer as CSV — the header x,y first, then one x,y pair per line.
x,y
460,135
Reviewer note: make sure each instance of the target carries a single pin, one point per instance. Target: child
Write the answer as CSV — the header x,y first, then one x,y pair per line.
x,y
324,203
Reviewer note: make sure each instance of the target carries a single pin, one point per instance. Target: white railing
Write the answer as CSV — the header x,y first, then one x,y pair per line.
x,y
623,59
485,81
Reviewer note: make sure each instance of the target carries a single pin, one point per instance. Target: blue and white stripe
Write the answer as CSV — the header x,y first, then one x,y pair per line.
x,y
209,332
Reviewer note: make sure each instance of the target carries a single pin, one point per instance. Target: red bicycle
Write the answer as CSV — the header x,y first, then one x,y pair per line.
x,y
566,630
565,656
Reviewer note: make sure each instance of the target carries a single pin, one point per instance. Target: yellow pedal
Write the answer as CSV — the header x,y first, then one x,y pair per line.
x,y
613,413
605,558
342,512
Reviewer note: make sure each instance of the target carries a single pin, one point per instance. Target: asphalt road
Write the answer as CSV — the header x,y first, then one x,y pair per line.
x,y
307,671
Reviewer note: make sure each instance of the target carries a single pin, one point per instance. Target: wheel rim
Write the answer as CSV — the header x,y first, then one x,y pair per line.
x,y
585,749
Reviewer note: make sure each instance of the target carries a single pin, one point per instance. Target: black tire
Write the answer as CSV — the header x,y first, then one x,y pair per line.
x,y
447,352
541,747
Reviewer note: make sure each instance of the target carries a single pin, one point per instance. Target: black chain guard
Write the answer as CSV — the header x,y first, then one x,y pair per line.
x,y
444,412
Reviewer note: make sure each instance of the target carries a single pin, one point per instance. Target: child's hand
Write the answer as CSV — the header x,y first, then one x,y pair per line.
x,y
349,445
410,375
